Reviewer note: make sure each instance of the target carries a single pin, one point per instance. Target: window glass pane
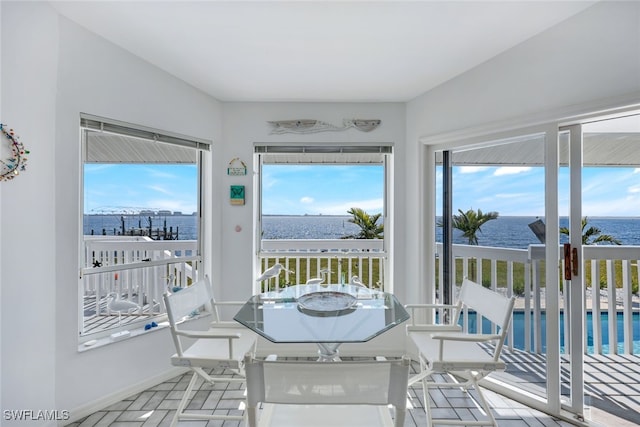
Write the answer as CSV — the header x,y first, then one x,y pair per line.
x,y
140,231
322,195
323,217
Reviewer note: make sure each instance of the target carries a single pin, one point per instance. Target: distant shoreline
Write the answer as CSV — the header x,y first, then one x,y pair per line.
x,y
438,216
504,232
335,215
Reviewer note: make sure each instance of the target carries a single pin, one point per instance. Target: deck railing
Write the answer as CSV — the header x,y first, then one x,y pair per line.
x,y
140,269
136,269
611,277
340,258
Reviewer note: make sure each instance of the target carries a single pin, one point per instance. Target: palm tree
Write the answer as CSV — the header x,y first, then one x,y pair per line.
x,y
369,229
592,233
470,223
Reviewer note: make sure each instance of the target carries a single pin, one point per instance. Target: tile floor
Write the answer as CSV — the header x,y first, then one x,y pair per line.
x,y
156,407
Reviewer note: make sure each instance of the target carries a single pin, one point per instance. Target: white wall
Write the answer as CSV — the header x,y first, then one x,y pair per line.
x,y
27,215
245,124
50,75
589,61
99,78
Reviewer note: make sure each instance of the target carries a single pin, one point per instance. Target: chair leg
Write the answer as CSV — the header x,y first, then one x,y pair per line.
x,y
185,399
400,417
472,382
426,372
483,402
252,416
180,412
427,402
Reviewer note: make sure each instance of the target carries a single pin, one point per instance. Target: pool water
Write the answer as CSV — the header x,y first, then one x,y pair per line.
x,y
518,329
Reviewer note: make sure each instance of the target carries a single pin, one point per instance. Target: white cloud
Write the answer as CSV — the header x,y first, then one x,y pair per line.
x,y
472,169
159,174
634,189
306,200
268,180
371,206
511,170
160,189
511,195
99,167
623,207
172,205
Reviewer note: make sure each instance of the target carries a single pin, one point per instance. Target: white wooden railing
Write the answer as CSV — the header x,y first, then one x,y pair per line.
x,y
343,258
523,275
137,269
140,269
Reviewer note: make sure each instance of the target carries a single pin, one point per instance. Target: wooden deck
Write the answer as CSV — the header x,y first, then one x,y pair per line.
x,y
97,317
612,383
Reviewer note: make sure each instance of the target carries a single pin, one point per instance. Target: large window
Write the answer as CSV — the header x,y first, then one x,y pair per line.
x,y
140,233
329,205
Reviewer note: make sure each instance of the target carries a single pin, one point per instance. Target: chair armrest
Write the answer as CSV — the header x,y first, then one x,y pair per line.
x,y
208,334
463,336
232,303
460,336
412,308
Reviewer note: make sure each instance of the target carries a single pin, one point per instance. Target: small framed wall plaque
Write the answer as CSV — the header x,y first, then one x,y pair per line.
x,y
237,195
236,167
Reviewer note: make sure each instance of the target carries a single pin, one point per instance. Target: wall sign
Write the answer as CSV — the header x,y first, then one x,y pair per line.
x,y
237,167
237,195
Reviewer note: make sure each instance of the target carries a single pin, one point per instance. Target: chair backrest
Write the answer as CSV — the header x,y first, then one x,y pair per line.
x,y
374,382
184,302
490,305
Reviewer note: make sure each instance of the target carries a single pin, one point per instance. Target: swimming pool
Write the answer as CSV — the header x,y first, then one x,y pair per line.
x,y
519,332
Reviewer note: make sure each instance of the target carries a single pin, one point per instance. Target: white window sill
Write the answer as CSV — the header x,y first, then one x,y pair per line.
x,y
119,337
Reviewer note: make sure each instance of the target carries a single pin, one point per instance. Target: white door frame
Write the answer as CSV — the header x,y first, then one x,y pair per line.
x,y
573,409
551,404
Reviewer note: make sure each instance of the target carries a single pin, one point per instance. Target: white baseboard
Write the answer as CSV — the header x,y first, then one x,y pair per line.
x,y
99,404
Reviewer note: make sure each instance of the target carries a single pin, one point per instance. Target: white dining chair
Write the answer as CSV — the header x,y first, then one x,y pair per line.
x,y
319,394
465,358
222,346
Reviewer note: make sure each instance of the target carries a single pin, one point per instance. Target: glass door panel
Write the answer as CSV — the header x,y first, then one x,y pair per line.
x,y
500,184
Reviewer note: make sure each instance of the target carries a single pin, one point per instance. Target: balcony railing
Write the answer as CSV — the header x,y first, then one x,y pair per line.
x,y
139,269
611,277
340,258
135,269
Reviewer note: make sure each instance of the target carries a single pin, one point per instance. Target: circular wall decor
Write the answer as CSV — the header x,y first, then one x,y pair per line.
x,y
13,155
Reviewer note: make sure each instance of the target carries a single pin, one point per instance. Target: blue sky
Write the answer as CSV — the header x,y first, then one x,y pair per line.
x,y
334,189
514,191
127,187
321,189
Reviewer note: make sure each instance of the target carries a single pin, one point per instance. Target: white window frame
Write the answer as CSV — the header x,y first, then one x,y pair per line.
x,y
326,154
172,148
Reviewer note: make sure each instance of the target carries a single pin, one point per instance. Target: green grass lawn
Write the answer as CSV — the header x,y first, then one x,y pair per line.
x,y
361,267
518,274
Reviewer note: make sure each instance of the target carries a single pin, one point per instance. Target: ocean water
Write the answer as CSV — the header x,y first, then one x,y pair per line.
x,y
505,232
186,226
307,227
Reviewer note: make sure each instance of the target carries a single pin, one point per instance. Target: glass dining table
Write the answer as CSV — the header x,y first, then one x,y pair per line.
x,y
327,315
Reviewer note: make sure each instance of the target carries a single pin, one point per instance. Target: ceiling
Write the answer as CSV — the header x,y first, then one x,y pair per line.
x,y
315,51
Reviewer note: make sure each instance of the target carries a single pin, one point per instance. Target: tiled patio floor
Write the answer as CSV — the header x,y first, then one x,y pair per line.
x,y
612,383
156,406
